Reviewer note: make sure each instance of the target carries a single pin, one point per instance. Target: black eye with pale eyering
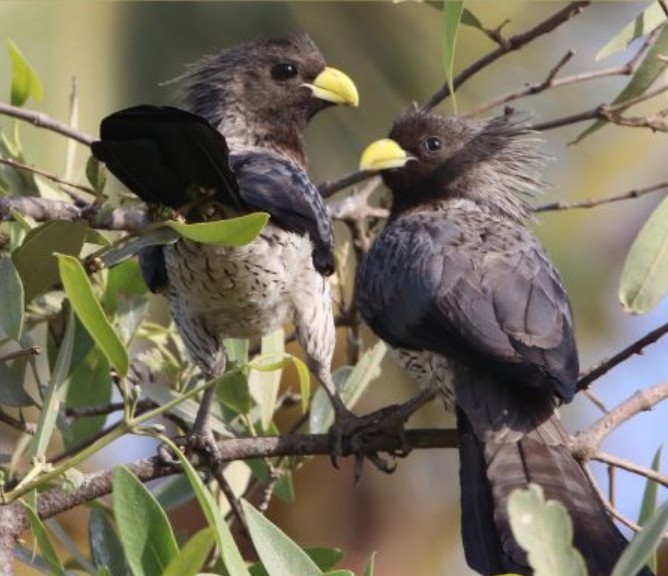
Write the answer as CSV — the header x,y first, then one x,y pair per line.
x,y
283,71
433,144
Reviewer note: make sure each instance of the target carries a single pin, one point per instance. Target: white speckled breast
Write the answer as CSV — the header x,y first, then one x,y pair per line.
x,y
430,371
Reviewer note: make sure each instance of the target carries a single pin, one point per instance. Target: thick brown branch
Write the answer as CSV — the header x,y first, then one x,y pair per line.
x,y
43,121
587,442
513,43
636,348
95,485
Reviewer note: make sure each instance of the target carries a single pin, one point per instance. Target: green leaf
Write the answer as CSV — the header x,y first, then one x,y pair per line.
x,y
173,492
55,392
264,379
452,13
645,274
545,531
234,562
35,260
44,542
237,350
370,566
235,394
648,71
278,553
351,383
12,391
643,24
193,554
90,385
340,573
145,532
649,500
324,558
96,173
470,19
124,280
155,237
88,309
12,309
230,232
25,82
643,545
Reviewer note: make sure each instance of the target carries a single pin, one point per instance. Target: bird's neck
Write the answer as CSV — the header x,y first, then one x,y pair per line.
x,y
244,133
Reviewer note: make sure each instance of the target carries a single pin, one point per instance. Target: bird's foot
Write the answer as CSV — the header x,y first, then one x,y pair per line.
x,y
361,433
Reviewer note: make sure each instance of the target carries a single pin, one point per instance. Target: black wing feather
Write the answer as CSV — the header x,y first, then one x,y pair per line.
x,y
430,284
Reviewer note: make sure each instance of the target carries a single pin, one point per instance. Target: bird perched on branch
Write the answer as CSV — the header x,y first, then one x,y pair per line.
x,y
239,148
473,309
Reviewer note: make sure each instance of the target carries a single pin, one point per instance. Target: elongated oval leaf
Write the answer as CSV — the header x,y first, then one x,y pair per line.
x,y
234,562
641,25
25,82
194,553
44,542
11,311
35,260
643,545
156,237
231,232
55,392
648,71
452,14
545,531
88,309
279,553
105,547
264,383
143,527
649,499
645,274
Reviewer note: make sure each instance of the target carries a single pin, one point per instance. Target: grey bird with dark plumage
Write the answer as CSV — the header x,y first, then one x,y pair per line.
x,y
239,148
473,309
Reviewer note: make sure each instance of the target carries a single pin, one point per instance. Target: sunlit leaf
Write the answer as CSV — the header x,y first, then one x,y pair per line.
x,y
643,544
644,279
234,562
544,530
193,554
230,232
55,392
370,566
143,527
648,71
25,82
264,384
45,545
279,553
649,501
12,309
96,173
643,24
88,309
452,13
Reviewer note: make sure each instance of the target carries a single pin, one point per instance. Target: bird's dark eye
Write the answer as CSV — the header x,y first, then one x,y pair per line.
x,y
433,144
283,71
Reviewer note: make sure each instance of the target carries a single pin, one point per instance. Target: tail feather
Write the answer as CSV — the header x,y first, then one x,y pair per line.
x,y
527,445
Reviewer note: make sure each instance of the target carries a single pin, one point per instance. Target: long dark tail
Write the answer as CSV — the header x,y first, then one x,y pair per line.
x,y
504,450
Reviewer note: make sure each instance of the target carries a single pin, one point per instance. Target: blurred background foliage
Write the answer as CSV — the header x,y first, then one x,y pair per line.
x,y
125,53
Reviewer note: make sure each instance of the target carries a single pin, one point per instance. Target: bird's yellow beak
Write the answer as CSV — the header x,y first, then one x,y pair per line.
x,y
334,86
384,154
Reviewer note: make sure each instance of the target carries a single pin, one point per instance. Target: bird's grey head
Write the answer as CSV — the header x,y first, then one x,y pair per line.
x,y
487,162
263,93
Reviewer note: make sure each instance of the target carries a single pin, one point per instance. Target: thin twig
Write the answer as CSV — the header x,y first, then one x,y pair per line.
x,y
233,501
596,401
617,462
20,425
329,187
30,351
636,347
593,202
511,44
43,121
47,175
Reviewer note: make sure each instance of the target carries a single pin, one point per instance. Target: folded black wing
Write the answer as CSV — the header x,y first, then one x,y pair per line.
x,y
276,185
166,155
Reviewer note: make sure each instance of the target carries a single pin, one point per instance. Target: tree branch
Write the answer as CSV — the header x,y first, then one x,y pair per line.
x,y
511,44
636,347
